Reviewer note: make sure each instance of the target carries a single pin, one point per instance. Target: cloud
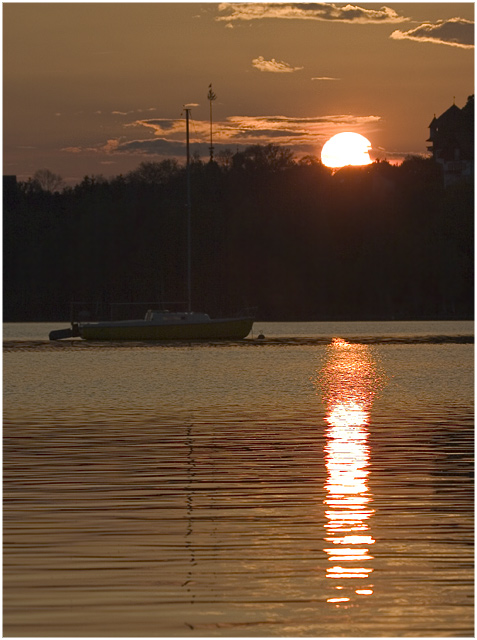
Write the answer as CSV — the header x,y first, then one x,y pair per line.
x,y
325,78
111,145
117,112
268,134
273,65
303,135
160,126
300,133
306,11
157,147
108,147
309,123
456,32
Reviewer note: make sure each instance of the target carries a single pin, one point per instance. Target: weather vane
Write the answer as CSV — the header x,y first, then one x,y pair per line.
x,y
211,97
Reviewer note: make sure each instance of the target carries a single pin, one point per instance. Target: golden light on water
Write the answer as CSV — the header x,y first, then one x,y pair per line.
x,y
349,381
346,149
338,600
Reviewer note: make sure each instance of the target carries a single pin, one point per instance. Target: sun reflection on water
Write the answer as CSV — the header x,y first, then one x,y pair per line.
x,y
349,382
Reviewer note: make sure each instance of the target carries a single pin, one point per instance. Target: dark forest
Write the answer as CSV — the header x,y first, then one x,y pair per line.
x,y
286,236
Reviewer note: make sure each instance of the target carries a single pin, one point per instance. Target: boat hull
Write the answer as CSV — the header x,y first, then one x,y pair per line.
x,y
229,329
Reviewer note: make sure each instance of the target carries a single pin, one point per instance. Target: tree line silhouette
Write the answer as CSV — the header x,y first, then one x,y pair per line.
x,y
290,237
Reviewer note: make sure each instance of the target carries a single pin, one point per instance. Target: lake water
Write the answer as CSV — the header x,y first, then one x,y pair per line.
x,y
315,483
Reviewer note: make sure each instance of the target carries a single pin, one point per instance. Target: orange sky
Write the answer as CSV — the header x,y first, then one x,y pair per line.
x,y
98,88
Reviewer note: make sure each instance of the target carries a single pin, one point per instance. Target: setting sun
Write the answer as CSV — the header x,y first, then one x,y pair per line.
x,y
346,149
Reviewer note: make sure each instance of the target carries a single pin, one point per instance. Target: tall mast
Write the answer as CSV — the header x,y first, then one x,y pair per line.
x,y
189,288
211,97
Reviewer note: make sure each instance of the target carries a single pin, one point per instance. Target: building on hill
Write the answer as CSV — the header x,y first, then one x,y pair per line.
x,y
452,142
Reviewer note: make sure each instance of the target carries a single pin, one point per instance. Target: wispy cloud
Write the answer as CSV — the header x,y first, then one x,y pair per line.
x,y
156,147
160,126
108,147
298,133
303,135
324,78
120,112
240,126
456,32
324,11
273,66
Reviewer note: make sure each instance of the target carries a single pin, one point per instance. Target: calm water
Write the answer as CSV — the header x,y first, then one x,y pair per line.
x,y
317,483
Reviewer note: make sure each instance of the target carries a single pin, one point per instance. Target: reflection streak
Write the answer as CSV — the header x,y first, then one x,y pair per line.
x,y
349,382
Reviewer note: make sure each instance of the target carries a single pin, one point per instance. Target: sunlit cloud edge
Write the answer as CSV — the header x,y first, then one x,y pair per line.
x,y
326,12
273,66
432,33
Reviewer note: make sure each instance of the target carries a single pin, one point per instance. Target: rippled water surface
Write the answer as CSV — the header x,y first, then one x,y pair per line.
x,y
316,483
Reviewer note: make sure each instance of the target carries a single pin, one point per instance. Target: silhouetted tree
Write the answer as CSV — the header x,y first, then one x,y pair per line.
x,y
154,173
289,236
47,180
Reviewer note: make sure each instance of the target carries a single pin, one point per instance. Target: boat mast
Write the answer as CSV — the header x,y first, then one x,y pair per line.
x,y
189,289
211,97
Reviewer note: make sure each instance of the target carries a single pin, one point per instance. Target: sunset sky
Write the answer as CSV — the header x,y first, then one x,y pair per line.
x,y
98,88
